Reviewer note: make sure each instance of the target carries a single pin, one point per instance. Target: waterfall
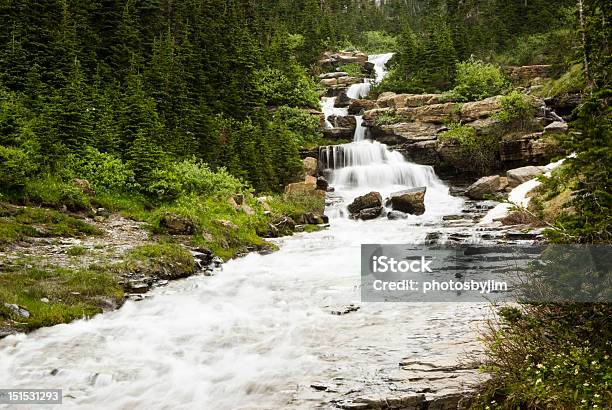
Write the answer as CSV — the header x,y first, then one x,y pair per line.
x,y
364,165
328,108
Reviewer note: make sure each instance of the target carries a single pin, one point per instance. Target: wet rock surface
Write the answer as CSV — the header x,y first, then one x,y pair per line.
x,y
410,201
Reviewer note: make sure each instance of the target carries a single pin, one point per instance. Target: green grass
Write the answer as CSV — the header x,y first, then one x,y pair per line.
x,y
17,223
134,207
76,251
159,260
353,70
570,82
71,294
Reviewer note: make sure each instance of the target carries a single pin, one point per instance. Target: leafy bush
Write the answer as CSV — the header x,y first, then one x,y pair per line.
x,y
277,88
516,109
552,356
374,42
193,176
476,80
386,118
105,172
52,192
304,126
15,167
354,70
476,154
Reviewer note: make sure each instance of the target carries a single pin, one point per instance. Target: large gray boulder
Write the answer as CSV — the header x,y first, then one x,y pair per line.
x,y
410,201
519,175
484,186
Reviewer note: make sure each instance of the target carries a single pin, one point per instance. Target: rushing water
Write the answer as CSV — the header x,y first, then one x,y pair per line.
x,y
259,333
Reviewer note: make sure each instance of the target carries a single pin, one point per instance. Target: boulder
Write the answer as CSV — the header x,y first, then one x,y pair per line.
x,y
322,184
525,75
282,225
335,74
478,109
368,213
358,106
84,186
301,187
410,201
421,152
329,82
414,100
394,215
557,127
519,175
370,200
436,113
484,186
405,132
339,121
17,310
176,224
311,218
310,166
386,100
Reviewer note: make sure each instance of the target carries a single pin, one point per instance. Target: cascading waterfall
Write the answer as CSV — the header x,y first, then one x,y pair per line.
x,y
361,90
365,165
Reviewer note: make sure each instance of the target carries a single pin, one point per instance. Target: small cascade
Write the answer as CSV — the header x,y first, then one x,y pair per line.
x,y
361,90
360,130
328,107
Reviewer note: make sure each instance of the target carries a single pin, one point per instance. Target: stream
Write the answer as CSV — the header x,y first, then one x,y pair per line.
x,y
261,333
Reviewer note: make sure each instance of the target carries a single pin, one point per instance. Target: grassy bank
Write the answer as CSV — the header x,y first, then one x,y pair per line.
x,y
62,263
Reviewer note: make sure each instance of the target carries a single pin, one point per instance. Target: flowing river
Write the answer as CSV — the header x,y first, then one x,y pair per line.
x,y
261,333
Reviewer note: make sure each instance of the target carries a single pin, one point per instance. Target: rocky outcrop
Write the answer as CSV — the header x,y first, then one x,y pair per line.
x,y
557,127
310,166
410,201
484,186
368,206
528,75
479,109
519,175
176,224
528,149
406,132
332,60
359,106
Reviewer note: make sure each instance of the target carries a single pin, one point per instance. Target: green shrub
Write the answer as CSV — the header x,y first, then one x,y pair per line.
x,y
376,42
549,357
52,192
476,80
477,153
516,109
387,118
277,88
76,251
354,70
305,127
192,176
16,167
105,172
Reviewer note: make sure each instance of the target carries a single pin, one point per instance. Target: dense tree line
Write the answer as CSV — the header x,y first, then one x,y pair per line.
x,y
153,81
